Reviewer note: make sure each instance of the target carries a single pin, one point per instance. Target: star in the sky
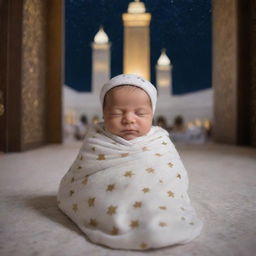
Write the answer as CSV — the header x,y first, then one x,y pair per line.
x,y
111,210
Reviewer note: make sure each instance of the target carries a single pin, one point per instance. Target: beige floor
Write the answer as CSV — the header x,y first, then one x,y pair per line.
x,y
222,189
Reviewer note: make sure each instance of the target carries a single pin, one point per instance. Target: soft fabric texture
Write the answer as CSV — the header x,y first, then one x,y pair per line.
x,y
129,79
129,194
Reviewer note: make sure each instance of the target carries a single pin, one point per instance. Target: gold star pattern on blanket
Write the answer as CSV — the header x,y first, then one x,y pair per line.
x,y
150,170
85,180
81,158
161,181
162,207
158,154
124,154
170,194
110,187
128,174
164,143
114,231
91,201
93,148
134,224
145,190
71,192
191,223
145,149
170,164
93,222
137,204
143,245
178,176
101,157
72,179
182,208
111,210
182,218
162,224
79,167
75,207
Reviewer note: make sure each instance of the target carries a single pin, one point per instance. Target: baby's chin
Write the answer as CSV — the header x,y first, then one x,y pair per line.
x,y
130,136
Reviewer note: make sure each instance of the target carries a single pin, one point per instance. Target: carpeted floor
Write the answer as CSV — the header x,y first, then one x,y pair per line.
x,y
222,190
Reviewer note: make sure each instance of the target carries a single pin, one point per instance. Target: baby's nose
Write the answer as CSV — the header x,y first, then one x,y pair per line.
x,y
129,118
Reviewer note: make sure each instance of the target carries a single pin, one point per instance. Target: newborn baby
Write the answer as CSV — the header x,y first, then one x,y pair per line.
x,y
127,188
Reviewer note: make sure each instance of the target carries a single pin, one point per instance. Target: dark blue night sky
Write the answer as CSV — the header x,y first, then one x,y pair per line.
x,y
183,27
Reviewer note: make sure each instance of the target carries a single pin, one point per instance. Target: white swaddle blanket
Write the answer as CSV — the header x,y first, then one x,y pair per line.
x,y
129,194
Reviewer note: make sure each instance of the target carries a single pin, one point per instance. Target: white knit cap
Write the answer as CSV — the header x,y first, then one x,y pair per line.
x,y
137,81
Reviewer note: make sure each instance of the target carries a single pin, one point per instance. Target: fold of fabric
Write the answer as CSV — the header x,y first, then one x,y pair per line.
x,y
129,194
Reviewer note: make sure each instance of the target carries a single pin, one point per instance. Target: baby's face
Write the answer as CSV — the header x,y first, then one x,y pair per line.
x,y
127,112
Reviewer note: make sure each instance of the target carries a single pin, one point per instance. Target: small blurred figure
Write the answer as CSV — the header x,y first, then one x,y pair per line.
x,y
179,124
161,121
81,128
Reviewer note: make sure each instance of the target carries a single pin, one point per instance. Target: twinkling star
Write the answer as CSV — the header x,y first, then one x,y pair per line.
x,y
162,224
145,190
71,192
150,170
93,222
91,201
178,176
162,207
75,207
137,204
85,180
111,210
114,231
124,154
134,224
170,194
110,187
170,164
164,143
158,154
128,174
101,157
143,245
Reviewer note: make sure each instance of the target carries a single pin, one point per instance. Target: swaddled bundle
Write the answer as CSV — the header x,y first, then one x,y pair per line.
x,y
127,188
129,194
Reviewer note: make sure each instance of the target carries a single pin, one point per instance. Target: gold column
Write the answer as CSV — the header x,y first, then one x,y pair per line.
x,y
136,43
